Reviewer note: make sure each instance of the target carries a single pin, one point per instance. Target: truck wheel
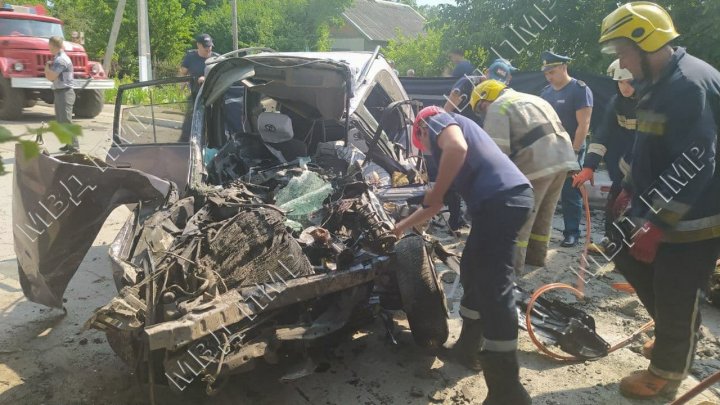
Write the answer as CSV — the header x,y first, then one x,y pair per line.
x,y
12,100
88,103
29,103
422,295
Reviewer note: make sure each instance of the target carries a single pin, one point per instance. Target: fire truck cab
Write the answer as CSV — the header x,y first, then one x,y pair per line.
x,y
24,34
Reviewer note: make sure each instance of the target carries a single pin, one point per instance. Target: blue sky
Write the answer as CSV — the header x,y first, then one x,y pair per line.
x,y
434,2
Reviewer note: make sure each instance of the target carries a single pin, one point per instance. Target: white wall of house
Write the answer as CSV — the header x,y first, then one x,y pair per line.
x,y
348,44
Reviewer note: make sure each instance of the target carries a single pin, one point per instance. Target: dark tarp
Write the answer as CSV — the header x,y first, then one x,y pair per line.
x,y
430,90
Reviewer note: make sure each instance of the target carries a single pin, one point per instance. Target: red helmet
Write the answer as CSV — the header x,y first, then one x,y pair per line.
x,y
423,115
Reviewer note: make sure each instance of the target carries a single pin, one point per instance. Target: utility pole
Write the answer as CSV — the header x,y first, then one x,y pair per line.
x,y
234,25
144,41
110,50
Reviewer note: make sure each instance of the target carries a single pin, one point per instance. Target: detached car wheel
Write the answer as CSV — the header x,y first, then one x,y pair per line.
x,y
422,295
88,103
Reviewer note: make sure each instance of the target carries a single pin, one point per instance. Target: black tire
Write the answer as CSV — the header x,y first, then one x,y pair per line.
x,y
12,100
88,103
422,295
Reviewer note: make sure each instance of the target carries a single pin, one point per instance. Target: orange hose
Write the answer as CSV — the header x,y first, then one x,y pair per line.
x,y
702,386
528,319
627,340
579,292
528,324
588,223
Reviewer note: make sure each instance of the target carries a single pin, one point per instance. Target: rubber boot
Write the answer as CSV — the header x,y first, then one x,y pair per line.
x,y
466,350
502,376
646,385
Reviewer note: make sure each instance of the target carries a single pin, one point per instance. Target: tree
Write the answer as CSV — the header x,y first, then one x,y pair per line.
x,y
424,54
172,26
520,30
285,25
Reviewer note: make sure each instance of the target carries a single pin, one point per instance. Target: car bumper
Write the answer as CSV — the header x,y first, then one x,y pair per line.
x,y
42,83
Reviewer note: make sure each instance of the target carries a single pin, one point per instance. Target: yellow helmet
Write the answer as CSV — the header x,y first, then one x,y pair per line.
x,y
488,90
643,22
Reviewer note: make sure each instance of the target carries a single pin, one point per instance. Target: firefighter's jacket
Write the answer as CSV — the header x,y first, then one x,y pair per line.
x,y
674,173
528,129
614,139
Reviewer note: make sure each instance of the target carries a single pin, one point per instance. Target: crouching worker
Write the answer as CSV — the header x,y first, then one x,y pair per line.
x,y
499,199
529,131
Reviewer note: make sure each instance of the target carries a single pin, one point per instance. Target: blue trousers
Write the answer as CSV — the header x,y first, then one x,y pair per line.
x,y
486,267
571,201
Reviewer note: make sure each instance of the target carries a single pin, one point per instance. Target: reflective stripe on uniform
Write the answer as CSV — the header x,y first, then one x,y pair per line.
x,y
672,375
670,212
651,123
697,224
597,148
540,238
691,236
625,122
522,243
466,312
500,345
506,104
624,166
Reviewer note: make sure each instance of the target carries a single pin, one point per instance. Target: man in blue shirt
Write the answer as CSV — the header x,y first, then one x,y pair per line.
x,y
463,67
193,63
499,198
461,92
572,99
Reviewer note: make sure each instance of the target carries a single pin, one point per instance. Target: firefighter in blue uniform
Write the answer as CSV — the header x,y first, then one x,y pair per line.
x,y
572,99
499,198
612,142
674,186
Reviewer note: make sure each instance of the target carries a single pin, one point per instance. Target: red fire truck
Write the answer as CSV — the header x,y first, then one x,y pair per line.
x,y
24,33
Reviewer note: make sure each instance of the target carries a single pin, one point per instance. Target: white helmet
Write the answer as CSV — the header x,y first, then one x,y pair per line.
x,y
617,73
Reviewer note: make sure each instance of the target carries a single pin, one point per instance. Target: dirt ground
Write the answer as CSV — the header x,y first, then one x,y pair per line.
x,y
46,357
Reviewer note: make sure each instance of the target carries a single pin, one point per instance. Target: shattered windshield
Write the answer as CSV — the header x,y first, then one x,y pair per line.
x,y
29,28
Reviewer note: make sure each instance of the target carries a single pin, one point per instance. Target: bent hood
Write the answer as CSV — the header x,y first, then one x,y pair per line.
x,y
59,206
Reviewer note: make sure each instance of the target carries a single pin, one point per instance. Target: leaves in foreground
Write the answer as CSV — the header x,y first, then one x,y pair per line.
x,y
63,131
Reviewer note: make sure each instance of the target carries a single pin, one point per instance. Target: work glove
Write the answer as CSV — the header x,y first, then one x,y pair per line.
x,y
586,174
646,242
621,204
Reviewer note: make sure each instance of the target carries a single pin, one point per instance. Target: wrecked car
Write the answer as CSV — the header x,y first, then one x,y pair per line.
x,y
264,231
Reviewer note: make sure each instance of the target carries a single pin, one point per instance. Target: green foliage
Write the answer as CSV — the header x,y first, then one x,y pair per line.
x,y
172,25
285,25
520,30
424,54
111,94
64,132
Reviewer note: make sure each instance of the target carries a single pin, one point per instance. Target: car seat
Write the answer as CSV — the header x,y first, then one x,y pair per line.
x,y
277,133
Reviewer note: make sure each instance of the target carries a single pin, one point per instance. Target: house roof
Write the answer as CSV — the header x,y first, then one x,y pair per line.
x,y
378,20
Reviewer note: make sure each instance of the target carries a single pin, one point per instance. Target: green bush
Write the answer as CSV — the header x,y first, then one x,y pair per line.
x,y
165,94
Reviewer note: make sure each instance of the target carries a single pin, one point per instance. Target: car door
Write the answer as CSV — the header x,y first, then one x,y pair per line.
x,y
152,127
